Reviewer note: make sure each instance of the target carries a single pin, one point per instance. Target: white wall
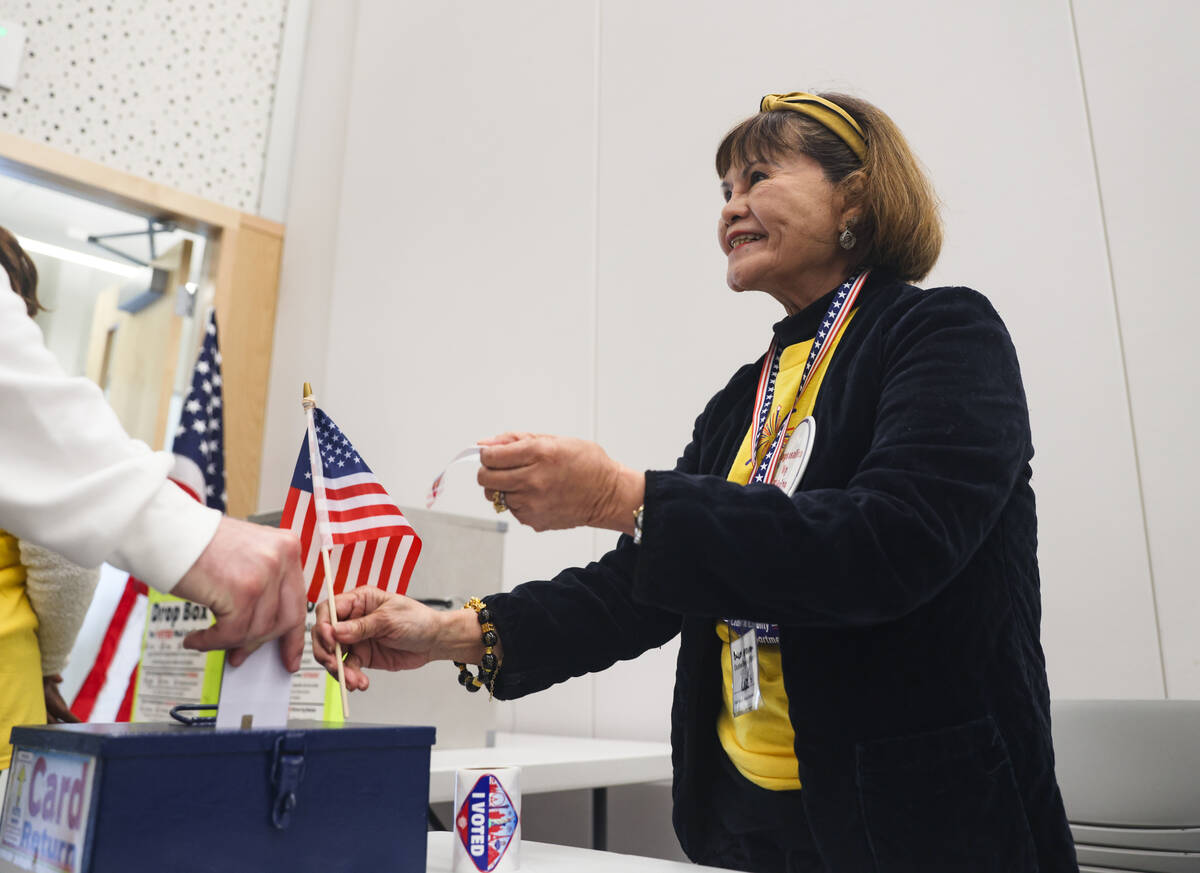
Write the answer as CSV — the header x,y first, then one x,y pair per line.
x,y
1139,66
306,272
474,245
518,233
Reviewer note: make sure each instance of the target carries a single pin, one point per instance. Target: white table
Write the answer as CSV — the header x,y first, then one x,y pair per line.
x,y
548,858
552,763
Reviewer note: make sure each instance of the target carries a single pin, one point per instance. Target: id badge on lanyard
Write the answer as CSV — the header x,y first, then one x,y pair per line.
x,y
783,465
743,660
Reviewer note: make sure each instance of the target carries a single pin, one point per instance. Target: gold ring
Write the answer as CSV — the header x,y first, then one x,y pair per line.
x,y
498,502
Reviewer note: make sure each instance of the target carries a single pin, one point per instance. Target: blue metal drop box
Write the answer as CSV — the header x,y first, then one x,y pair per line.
x,y
125,798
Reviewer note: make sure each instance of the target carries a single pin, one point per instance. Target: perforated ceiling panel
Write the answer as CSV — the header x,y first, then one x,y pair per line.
x,y
178,91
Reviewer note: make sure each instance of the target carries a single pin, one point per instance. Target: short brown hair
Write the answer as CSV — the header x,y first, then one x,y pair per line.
x,y
900,230
22,273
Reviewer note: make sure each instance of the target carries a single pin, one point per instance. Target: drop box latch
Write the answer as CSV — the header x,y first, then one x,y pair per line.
x,y
287,770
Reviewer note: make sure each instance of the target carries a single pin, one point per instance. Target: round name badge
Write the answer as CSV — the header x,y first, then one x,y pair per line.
x,y
795,457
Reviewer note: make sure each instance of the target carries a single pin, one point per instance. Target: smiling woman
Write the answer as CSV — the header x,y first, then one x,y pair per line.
x,y
779,230
847,547
876,208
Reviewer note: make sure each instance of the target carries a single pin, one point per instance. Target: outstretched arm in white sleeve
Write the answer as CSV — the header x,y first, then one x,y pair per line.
x,y
73,481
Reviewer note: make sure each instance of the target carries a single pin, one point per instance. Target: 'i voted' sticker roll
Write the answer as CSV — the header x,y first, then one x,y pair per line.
x,y
487,820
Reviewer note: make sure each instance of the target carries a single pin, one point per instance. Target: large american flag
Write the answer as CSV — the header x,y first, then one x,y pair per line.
x,y
105,692
199,445
372,542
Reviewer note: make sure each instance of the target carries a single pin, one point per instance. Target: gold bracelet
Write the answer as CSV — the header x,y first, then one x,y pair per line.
x,y
489,664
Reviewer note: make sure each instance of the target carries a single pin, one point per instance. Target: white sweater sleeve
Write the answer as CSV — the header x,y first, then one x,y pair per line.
x,y
73,481
60,593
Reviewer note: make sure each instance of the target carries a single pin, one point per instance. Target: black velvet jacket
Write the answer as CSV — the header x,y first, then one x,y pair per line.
x,y
903,573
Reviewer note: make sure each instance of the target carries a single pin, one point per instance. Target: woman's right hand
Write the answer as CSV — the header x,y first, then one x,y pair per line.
x,y
57,711
387,631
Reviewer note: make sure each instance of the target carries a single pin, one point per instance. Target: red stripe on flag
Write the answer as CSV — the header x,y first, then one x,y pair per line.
x,y
373,533
318,580
125,711
187,490
389,560
363,512
85,700
413,551
368,559
343,568
310,550
289,508
308,531
345,491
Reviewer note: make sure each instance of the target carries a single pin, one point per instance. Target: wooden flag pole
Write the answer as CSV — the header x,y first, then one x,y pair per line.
x,y
309,402
337,646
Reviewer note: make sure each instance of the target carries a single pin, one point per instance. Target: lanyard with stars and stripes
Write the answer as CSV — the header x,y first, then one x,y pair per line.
x,y
764,398
831,325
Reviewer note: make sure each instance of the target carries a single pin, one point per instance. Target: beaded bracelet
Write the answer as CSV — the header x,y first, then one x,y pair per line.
x,y
489,664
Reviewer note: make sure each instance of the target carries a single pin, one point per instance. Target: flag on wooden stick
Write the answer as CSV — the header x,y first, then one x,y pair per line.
x,y
342,506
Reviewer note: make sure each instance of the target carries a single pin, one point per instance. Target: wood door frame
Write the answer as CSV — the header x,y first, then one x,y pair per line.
x,y
243,263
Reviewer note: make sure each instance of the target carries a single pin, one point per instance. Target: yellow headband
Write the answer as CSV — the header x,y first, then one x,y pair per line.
x,y
834,117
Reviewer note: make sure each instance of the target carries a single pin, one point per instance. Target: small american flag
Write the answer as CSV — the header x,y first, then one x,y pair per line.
x,y
199,444
372,542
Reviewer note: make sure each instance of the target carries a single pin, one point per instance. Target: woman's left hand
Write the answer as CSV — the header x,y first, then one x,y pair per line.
x,y
552,482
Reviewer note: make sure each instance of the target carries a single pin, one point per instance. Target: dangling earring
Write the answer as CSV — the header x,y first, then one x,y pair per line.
x,y
847,239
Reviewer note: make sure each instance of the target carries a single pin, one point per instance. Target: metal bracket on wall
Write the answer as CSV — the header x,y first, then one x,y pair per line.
x,y
153,226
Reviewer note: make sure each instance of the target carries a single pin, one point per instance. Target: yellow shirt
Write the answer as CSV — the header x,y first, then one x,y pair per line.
x,y
22,700
761,743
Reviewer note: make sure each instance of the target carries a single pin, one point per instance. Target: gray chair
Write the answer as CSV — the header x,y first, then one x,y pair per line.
x,y
1129,771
